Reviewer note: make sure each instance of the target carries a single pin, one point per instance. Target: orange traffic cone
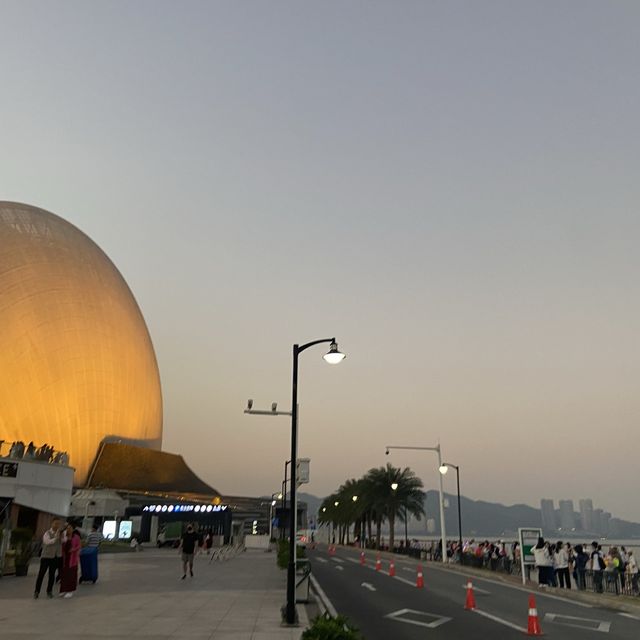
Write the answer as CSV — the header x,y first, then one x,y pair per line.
x,y
392,569
419,578
362,558
470,602
332,550
378,563
533,628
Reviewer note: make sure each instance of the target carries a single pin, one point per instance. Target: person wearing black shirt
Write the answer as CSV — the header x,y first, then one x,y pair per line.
x,y
188,544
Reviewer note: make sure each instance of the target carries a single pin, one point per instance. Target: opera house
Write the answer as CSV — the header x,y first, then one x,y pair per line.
x,y
80,395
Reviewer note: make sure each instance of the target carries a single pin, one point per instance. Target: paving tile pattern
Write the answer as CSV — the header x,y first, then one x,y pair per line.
x,y
140,595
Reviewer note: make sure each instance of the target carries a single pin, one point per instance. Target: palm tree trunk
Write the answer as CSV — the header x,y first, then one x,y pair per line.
x,y
378,531
392,522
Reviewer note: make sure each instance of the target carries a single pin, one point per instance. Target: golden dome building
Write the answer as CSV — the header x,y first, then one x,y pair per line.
x,y
77,365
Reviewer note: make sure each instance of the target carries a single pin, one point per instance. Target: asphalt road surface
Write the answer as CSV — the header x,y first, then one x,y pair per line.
x,y
392,608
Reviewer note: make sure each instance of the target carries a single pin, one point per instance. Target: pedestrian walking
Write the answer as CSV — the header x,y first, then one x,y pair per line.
x,y
71,546
49,558
188,545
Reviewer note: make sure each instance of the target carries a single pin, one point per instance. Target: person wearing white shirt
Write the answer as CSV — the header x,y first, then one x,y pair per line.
x,y
561,561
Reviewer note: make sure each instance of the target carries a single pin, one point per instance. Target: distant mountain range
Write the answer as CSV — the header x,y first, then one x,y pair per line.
x,y
479,518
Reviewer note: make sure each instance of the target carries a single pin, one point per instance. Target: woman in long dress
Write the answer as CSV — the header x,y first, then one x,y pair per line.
x,y
70,558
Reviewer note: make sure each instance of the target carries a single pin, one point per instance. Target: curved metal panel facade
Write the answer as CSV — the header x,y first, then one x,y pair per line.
x,y
76,360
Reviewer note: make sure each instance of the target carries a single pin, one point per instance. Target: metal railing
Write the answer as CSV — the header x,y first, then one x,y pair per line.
x,y
226,553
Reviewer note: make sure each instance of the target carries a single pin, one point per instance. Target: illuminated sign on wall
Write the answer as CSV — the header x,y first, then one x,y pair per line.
x,y
184,508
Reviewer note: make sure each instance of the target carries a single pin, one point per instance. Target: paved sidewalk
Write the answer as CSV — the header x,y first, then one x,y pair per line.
x,y
140,595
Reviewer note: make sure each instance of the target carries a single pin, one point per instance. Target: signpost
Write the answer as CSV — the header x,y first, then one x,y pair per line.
x,y
528,538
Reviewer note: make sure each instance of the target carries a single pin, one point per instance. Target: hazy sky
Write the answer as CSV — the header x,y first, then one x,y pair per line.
x,y
451,188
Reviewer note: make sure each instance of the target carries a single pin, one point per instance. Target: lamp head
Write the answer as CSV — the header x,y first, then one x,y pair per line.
x,y
273,503
355,498
394,486
249,404
443,469
274,406
333,356
336,503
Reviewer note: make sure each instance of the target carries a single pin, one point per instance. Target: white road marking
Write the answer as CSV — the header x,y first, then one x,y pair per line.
x,y
478,589
366,585
539,593
408,569
339,568
573,621
354,560
629,615
323,560
436,622
506,623
411,584
340,560
322,596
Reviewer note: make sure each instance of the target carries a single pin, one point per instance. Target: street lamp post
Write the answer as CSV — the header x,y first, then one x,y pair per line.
x,y
444,467
443,531
332,357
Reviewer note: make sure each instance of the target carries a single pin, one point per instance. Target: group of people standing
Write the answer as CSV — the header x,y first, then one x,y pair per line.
x,y
556,563
60,557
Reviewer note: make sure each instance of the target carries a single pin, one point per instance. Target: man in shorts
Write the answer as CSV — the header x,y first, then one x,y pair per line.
x,y
188,545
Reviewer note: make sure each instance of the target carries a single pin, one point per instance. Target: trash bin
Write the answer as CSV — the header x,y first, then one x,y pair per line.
x,y
303,580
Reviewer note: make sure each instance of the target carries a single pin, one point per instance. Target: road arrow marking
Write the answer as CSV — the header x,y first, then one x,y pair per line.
x,y
366,585
339,568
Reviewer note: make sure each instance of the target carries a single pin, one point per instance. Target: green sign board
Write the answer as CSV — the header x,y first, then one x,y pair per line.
x,y
528,539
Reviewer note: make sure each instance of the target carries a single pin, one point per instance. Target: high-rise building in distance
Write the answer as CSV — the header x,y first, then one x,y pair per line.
x,y
548,515
586,514
567,516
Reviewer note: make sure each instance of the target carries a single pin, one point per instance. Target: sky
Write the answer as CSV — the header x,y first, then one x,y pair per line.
x,y
450,188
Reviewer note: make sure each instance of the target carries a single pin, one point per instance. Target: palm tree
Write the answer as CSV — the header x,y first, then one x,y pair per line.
x,y
397,492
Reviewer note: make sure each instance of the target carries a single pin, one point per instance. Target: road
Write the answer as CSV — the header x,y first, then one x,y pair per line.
x,y
385,607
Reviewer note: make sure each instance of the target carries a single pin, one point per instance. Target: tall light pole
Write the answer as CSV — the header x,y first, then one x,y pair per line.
x,y
444,467
333,356
443,531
